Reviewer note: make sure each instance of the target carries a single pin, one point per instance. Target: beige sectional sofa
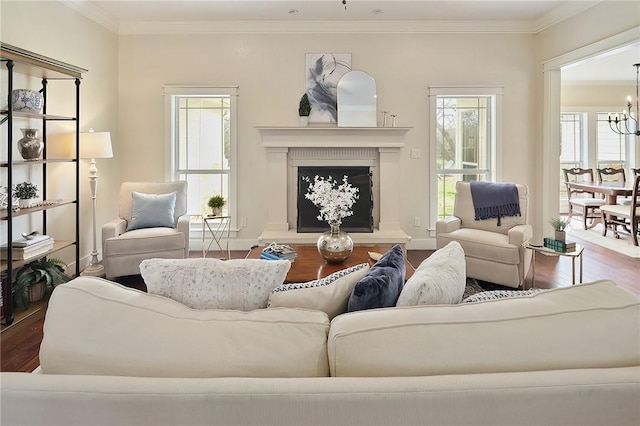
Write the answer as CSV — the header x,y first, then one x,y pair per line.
x,y
116,356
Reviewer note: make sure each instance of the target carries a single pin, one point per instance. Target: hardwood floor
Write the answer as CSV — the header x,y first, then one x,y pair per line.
x,y
20,343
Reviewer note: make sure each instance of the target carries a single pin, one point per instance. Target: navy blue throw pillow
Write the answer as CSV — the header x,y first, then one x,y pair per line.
x,y
381,287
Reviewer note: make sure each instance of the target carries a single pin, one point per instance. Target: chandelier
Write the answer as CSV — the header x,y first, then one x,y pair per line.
x,y
620,122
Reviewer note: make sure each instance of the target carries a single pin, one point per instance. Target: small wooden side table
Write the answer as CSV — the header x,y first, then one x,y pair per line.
x,y
219,227
577,253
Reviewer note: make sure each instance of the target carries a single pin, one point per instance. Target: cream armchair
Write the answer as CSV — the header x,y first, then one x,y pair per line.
x,y
492,253
161,227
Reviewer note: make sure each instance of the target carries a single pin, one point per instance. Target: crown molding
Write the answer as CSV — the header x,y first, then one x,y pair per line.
x,y
560,13
323,27
564,11
90,11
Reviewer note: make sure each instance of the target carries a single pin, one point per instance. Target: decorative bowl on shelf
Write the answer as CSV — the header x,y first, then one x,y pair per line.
x,y
27,100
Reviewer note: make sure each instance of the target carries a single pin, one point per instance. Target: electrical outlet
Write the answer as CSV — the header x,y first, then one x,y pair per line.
x,y
415,153
416,221
243,222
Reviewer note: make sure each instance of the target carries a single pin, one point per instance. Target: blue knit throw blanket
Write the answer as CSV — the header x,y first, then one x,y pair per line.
x,y
492,199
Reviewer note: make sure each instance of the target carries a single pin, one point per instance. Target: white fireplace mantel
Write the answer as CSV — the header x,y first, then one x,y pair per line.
x,y
323,143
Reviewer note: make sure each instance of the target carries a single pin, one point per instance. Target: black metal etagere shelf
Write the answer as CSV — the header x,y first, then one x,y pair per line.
x,y
33,65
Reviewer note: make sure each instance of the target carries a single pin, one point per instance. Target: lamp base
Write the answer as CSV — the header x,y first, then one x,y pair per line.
x,y
96,270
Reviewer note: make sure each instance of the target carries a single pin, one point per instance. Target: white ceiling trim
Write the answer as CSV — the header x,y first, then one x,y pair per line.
x,y
562,12
322,27
557,15
93,13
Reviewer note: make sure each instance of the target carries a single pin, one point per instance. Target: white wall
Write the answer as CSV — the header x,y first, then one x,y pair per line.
x,y
563,44
126,75
52,29
269,70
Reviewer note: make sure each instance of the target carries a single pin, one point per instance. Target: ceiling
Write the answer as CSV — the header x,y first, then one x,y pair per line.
x,y
358,16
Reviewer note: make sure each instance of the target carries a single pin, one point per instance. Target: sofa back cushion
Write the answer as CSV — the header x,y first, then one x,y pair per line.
x,y
584,326
463,209
94,326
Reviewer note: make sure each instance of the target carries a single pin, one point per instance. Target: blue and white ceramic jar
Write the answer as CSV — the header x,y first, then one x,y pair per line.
x,y
27,100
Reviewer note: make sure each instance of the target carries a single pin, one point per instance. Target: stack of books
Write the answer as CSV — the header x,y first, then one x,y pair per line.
x,y
278,252
24,249
561,246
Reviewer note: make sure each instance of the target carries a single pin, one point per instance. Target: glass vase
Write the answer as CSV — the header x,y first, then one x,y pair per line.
x,y
335,246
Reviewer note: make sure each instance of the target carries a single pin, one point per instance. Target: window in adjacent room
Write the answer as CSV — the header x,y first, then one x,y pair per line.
x,y
611,148
201,146
463,140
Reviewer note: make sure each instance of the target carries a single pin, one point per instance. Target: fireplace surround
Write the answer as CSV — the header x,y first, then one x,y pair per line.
x,y
288,148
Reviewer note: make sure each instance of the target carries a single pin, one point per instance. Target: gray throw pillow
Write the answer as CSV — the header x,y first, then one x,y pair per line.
x,y
152,211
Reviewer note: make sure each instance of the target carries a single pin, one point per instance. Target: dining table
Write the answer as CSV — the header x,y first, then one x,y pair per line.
x,y
610,190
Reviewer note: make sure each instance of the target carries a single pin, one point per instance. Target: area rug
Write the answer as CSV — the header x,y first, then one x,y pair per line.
x,y
622,245
472,288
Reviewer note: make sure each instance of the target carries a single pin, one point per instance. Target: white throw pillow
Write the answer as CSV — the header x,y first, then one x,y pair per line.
x,y
440,279
329,294
240,284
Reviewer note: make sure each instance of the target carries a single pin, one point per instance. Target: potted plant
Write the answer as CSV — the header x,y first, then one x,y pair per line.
x,y
25,191
215,203
304,109
559,224
31,280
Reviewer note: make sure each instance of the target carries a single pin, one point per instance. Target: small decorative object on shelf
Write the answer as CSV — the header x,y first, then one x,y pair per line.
x,y
7,198
393,120
559,224
25,191
335,203
384,118
29,145
304,110
216,203
26,100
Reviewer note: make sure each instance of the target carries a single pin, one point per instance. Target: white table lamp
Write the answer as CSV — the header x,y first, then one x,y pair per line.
x,y
94,145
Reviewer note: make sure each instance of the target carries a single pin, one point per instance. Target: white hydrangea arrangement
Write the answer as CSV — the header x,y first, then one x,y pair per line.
x,y
334,201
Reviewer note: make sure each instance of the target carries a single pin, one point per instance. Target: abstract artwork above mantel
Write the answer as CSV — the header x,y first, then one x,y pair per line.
x,y
323,72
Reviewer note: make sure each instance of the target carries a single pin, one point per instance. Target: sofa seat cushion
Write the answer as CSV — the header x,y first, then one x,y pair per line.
x,y
97,327
441,278
584,326
147,240
486,245
242,284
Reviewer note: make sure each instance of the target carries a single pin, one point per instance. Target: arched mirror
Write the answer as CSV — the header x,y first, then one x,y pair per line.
x,y
357,100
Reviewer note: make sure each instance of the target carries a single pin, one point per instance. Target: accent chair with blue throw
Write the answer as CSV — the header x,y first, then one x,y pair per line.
x,y
492,233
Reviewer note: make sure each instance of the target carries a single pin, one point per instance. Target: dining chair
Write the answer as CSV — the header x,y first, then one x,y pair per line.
x,y
625,216
610,174
580,201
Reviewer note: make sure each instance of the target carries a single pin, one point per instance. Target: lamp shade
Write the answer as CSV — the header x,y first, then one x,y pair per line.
x,y
95,145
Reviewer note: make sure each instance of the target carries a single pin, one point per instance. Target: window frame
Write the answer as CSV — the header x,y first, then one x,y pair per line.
x,y
171,166
493,171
